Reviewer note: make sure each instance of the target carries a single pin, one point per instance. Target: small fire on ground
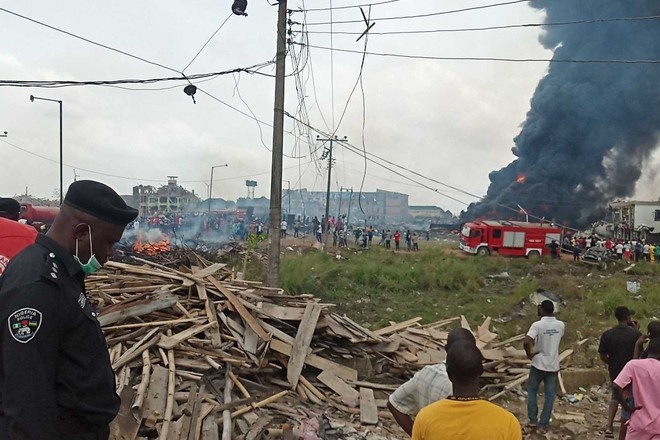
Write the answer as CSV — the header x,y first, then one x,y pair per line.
x,y
150,247
521,178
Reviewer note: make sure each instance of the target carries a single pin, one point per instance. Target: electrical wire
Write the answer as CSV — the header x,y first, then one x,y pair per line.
x,y
490,28
430,14
337,8
141,179
53,84
207,42
512,60
89,41
332,71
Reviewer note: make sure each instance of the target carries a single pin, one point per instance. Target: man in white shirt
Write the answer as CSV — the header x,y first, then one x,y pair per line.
x,y
619,250
429,385
283,228
542,347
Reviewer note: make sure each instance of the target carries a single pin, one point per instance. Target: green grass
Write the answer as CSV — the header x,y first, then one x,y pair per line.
x,y
378,286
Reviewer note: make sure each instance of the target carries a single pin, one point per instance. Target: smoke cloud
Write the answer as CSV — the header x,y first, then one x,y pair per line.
x,y
591,126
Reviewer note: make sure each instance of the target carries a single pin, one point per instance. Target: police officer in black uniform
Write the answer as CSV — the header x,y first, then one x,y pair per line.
x,y
56,381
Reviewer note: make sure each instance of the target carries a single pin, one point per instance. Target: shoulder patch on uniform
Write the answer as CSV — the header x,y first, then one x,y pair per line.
x,y
24,324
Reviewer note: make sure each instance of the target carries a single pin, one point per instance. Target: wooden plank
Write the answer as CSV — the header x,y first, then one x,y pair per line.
x,y
368,408
255,430
301,345
125,426
128,268
240,308
396,327
316,361
210,429
154,407
212,315
159,300
283,313
348,394
562,387
208,271
168,342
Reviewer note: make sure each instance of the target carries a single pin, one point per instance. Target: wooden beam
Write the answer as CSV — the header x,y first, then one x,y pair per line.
x,y
240,308
301,345
368,408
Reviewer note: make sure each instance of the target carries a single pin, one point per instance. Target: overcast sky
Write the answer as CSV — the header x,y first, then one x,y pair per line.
x,y
452,121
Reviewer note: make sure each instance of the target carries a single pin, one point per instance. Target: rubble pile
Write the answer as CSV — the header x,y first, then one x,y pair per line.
x,y
200,355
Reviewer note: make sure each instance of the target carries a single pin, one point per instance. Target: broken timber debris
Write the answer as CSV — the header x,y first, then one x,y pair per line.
x,y
194,349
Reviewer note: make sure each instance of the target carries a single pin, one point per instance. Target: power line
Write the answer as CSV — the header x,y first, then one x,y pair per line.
x,y
59,83
89,41
510,60
101,173
430,14
490,28
207,42
337,8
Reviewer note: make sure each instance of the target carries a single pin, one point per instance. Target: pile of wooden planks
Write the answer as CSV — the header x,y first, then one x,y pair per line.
x,y
200,355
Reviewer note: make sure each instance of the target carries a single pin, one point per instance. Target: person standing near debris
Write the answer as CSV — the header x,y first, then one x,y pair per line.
x,y
616,348
388,239
464,415
542,346
619,250
643,375
56,381
653,331
14,236
428,385
283,228
397,239
554,249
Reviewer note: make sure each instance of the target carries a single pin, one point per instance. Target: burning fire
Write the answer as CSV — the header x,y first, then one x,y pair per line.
x,y
521,178
151,248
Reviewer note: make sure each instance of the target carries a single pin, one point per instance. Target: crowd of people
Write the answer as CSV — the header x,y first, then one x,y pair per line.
x,y
364,237
443,401
630,251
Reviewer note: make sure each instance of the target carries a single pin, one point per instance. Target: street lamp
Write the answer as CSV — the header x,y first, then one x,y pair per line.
x,y
211,185
32,98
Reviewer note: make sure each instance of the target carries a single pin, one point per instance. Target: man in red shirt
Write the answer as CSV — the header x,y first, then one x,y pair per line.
x,y
13,235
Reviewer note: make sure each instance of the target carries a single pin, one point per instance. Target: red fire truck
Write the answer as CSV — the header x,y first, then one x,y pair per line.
x,y
508,238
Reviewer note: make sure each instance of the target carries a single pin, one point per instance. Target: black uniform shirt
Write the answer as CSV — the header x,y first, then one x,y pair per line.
x,y
618,343
56,381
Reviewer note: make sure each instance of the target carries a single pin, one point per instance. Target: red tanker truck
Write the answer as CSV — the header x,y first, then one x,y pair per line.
x,y
38,216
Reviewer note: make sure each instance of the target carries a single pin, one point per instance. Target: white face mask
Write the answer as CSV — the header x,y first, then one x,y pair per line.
x,y
92,264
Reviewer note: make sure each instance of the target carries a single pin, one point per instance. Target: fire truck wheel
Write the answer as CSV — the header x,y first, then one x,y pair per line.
x,y
483,251
533,254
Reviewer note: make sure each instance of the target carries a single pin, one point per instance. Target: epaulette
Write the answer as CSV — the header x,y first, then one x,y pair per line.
x,y
52,269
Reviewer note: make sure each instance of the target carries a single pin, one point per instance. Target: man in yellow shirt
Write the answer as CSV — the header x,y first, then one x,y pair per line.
x,y
463,415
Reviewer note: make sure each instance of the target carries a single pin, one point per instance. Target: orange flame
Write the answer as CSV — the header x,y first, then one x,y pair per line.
x,y
151,248
521,179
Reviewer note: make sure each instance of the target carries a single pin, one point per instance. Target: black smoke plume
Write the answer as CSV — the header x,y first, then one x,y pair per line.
x,y
591,126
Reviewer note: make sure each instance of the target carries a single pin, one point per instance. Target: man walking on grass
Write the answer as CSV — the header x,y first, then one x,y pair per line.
x,y
542,347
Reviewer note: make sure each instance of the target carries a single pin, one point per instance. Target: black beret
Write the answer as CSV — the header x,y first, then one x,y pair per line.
x,y
100,201
10,206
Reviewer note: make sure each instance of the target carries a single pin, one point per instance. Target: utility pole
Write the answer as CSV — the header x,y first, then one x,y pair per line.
x,y
348,216
327,153
273,276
